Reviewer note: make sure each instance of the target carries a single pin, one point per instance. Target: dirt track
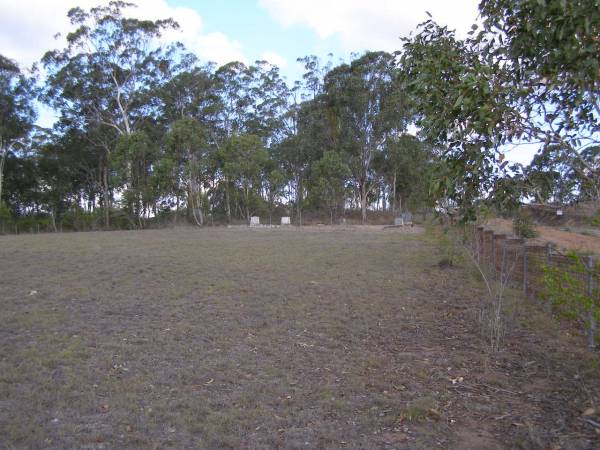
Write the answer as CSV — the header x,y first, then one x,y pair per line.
x,y
270,338
564,240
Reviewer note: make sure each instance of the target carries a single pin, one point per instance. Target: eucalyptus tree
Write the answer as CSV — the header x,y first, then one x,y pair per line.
x,y
190,148
531,75
189,93
103,74
243,159
461,106
553,52
368,107
16,110
405,164
330,177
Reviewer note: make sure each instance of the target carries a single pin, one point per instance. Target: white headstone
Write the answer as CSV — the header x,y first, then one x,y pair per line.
x,y
285,220
254,221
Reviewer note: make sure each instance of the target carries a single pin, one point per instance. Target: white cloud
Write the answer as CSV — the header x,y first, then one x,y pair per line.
x,y
27,29
275,58
371,24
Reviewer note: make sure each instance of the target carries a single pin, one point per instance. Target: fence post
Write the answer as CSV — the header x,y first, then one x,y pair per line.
x,y
591,311
480,243
525,269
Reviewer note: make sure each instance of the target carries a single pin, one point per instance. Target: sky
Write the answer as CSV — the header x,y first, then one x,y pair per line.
x,y
278,31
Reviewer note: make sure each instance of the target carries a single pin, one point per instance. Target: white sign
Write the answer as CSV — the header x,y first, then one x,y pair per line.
x,y
254,221
285,220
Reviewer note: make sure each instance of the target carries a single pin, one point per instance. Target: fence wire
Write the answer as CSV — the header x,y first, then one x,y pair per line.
x,y
544,273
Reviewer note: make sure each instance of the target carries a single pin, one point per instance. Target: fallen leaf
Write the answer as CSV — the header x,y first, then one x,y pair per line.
x,y
434,414
589,412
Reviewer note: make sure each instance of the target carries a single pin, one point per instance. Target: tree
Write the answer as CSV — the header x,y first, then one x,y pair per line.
x,y
552,51
102,76
462,108
243,158
369,108
16,111
405,165
330,178
191,151
274,181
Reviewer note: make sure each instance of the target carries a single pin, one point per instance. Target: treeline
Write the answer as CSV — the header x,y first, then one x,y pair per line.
x,y
145,132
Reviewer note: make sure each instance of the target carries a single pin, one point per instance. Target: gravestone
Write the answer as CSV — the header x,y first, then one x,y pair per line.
x,y
404,219
285,220
254,221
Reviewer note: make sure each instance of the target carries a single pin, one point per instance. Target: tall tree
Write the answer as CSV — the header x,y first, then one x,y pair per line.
x,y
552,51
330,177
369,108
16,111
462,107
102,76
190,148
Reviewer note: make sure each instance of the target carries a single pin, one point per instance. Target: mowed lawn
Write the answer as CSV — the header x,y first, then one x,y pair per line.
x,y
274,338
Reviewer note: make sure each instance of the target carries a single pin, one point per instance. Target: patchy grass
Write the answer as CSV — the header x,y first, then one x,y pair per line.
x,y
299,338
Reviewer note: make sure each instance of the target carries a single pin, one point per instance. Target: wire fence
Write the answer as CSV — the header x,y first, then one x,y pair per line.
x,y
568,284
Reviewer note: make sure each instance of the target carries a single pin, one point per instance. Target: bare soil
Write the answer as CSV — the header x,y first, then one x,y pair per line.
x,y
564,240
318,337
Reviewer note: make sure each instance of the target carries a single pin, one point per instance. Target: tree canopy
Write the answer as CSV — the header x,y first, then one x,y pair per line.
x,y
147,132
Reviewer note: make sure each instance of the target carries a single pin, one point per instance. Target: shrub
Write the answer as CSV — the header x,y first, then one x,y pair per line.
x,y
76,219
595,219
523,225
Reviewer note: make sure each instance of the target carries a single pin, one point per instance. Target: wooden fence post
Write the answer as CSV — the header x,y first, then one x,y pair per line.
x,y
590,293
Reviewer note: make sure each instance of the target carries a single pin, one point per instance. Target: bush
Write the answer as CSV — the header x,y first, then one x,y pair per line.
x,y
523,225
595,219
33,223
76,219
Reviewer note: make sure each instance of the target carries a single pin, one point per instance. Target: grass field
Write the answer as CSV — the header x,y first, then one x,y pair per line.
x,y
274,338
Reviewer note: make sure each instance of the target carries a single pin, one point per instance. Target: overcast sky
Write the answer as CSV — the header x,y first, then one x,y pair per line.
x,y
246,30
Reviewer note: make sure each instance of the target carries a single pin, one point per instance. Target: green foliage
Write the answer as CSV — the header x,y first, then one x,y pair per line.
x,y
595,220
142,123
77,219
368,106
523,225
566,290
330,177
5,213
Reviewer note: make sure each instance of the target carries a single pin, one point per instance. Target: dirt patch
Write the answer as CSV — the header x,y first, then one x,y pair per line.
x,y
272,338
564,240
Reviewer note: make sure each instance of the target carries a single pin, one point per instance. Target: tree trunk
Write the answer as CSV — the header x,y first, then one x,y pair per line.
x,y
299,200
394,196
53,217
227,202
106,197
2,160
363,202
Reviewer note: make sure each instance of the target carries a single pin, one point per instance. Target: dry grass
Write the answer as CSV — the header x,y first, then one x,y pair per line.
x,y
270,338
